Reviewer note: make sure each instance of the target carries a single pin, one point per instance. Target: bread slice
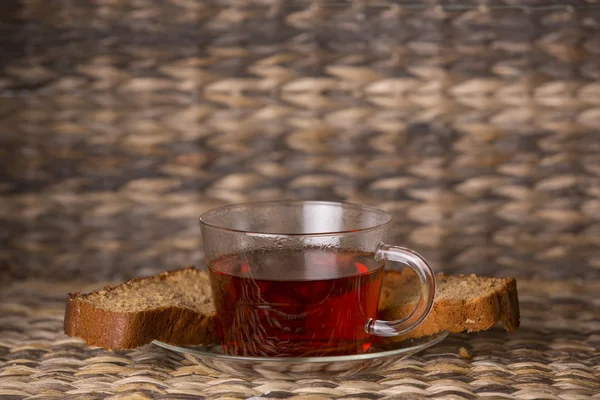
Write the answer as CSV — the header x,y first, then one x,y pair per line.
x,y
463,302
175,307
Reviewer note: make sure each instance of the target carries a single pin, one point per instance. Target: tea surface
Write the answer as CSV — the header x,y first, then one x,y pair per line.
x,y
308,302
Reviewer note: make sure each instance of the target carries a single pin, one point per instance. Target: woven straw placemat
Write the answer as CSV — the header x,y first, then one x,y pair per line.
x,y
555,354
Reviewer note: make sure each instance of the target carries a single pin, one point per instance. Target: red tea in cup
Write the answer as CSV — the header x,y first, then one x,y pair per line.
x,y
308,302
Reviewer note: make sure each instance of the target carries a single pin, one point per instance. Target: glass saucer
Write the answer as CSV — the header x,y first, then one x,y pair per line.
x,y
379,356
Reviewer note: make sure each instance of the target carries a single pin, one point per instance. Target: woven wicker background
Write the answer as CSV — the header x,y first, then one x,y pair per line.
x,y
476,125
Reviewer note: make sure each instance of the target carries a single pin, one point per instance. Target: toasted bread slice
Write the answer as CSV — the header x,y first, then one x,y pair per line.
x,y
176,307
173,307
463,303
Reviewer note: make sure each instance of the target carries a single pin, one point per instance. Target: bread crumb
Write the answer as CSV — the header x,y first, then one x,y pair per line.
x,y
464,353
469,321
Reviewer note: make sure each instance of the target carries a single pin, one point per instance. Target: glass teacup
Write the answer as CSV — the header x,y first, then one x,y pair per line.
x,y
302,278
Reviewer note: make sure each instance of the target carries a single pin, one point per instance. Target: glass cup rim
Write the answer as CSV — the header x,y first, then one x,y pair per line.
x,y
346,205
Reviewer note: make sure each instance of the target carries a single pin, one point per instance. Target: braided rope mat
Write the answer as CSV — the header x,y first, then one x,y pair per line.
x,y
555,354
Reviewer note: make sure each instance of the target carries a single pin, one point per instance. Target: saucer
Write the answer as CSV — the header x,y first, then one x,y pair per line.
x,y
379,356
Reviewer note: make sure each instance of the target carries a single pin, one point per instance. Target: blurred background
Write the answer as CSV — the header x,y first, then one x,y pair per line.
x,y
475,123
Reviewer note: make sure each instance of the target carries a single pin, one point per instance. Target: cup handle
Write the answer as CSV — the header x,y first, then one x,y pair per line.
x,y
428,287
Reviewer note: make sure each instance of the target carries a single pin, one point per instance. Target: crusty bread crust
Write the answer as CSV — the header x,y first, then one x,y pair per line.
x,y
127,330
458,315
